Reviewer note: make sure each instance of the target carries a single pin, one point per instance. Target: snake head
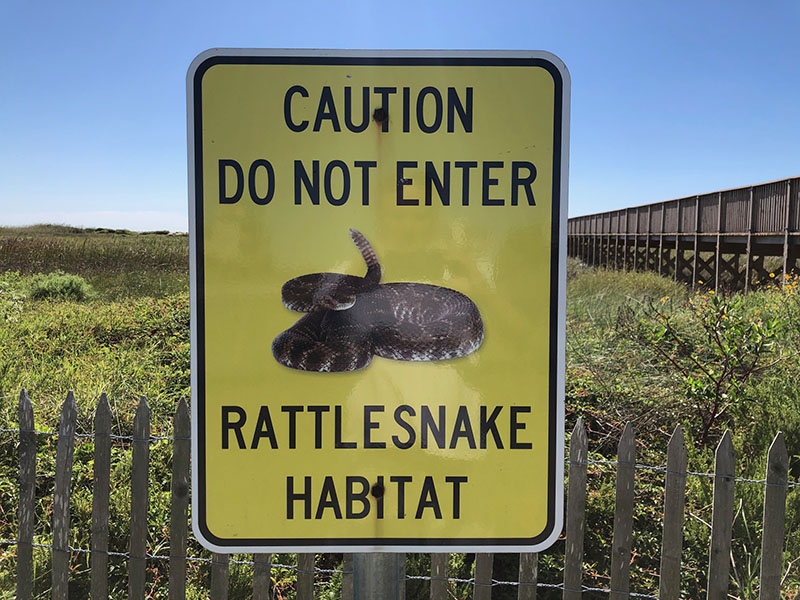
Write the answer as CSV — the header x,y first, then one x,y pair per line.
x,y
319,291
341,302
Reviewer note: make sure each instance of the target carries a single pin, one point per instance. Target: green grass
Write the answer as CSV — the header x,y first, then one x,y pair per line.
x,y
117,263
131,338
598,294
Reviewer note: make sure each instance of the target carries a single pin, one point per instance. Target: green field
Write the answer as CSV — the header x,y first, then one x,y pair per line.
x,y
640,349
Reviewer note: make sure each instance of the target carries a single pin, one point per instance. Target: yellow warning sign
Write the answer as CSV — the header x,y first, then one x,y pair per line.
x,y
378,257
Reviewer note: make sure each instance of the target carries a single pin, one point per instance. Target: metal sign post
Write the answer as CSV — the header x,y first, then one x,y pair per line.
x,y
379,576
378,297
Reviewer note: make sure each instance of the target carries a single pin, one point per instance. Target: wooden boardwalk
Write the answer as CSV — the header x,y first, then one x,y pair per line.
x,y
730,239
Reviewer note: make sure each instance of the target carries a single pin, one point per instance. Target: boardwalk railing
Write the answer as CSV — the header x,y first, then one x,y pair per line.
x,y
721,238
137,556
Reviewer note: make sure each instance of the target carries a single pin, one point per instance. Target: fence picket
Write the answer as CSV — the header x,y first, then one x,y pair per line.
x,y
139,492
220,572
674,507
305,576
622,542
722,521
439,570
576,512
179,507
482,588
347,576
528,575
100,493
64,452
27,497
774,520
262,571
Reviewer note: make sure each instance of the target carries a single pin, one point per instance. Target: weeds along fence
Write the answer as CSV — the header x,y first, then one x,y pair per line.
x,y
571,586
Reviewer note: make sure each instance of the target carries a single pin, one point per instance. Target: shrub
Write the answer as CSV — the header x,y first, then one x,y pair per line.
x,y
60,286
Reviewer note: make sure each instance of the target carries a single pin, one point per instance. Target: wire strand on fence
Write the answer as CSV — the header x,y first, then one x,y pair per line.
x,y
496,583
295,568
124,438
664,470
148,556
640,466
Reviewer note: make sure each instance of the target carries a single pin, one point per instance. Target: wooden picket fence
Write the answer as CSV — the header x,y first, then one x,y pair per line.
x,y
776,487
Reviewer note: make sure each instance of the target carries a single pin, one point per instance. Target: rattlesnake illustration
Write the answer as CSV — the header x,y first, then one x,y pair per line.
x,y
352,318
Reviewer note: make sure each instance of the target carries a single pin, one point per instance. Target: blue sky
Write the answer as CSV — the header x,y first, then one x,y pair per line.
x,y
668,98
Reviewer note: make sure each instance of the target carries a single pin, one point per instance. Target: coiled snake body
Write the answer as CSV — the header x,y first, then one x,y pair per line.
x,y
352,318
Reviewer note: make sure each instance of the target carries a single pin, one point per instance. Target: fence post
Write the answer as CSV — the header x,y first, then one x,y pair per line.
x,y
140,463
482,588
305,576
219,576
100,493
439,576
623,516
774,520
669,585
722,521
63,479
528,575
347,576
179,510
262,566
27,497
576,512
